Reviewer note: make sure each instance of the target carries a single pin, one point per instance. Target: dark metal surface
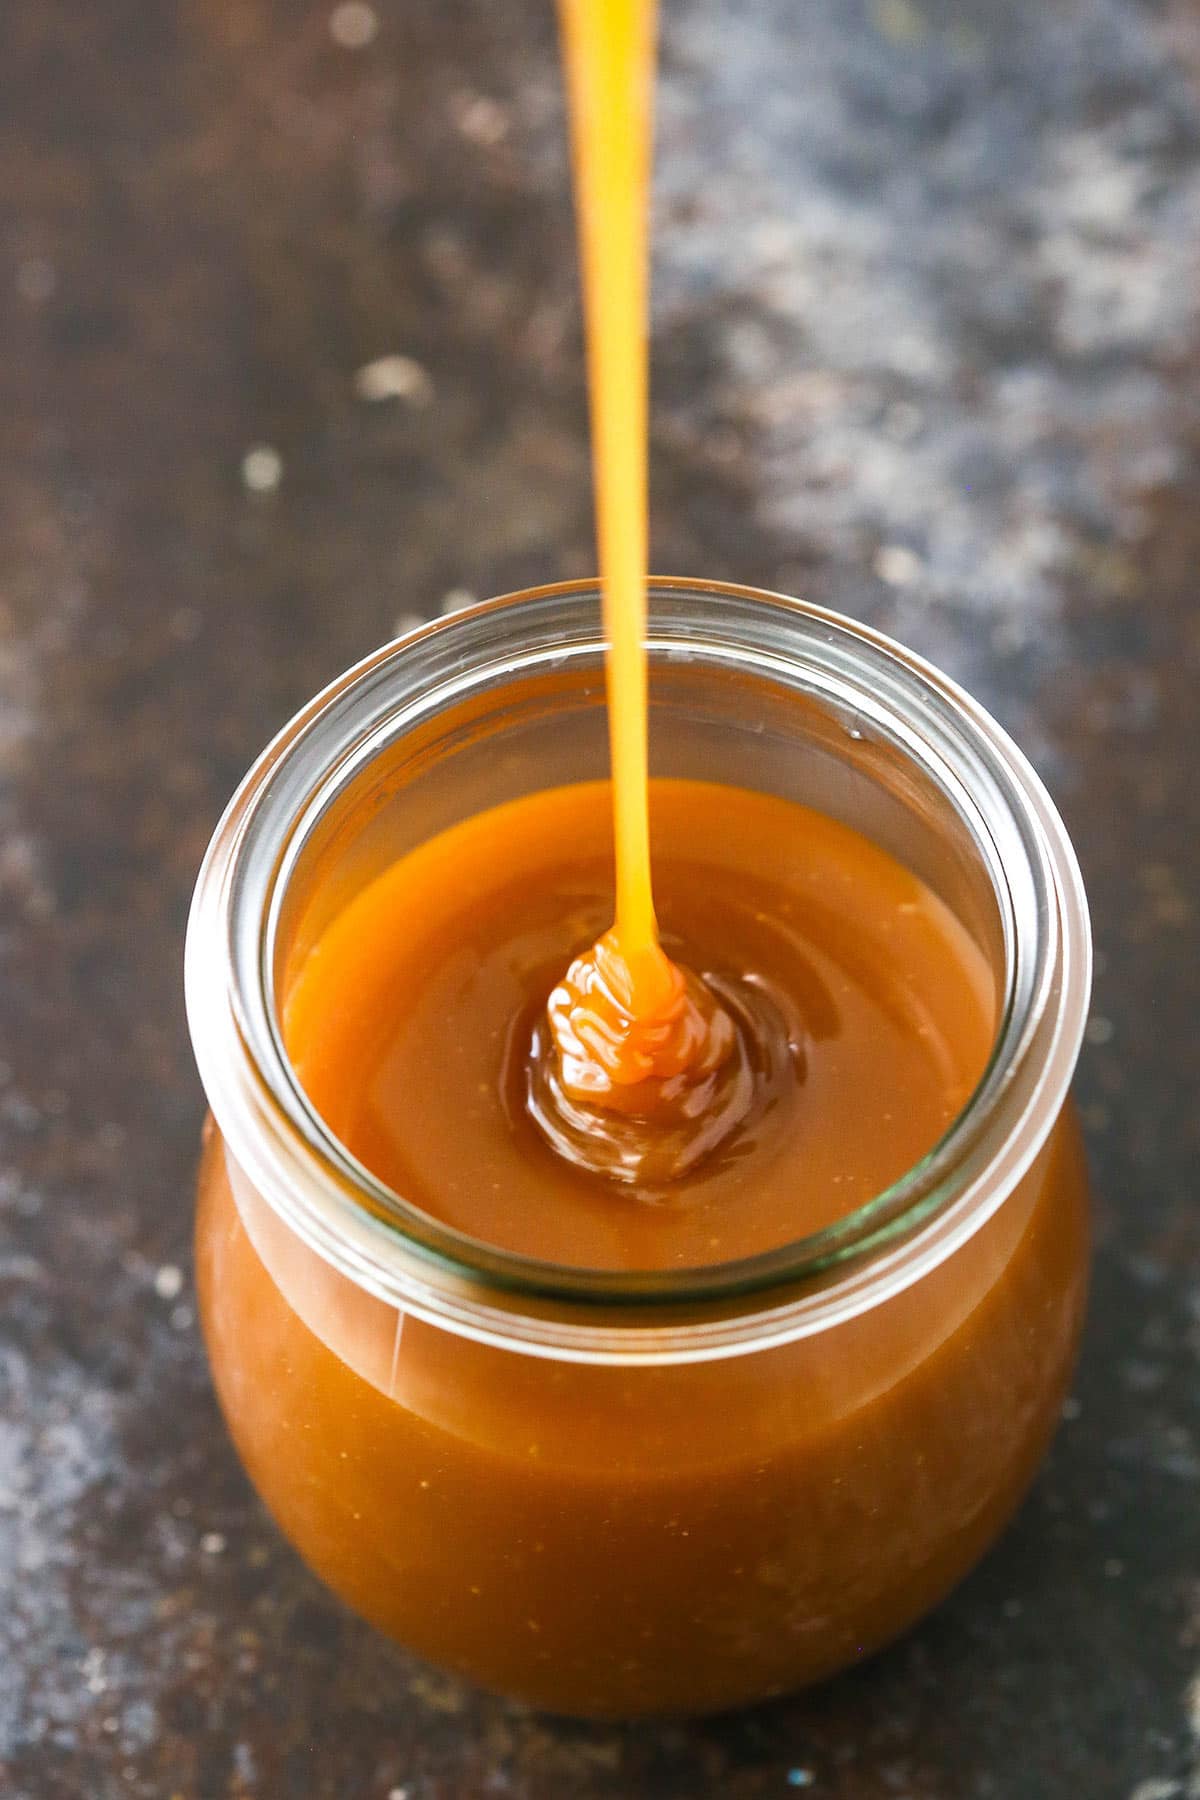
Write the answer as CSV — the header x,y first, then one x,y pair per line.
x,y
927,321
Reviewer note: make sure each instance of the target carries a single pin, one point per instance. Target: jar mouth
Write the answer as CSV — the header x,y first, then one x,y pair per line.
x,y
930,738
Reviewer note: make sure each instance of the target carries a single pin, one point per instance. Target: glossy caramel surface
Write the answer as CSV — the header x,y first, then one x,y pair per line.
x,y
865,1013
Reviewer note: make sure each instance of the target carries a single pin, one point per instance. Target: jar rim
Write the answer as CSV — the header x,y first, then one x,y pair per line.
x,y
398,1252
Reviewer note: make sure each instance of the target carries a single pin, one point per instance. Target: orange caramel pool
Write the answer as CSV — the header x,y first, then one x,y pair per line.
x,y
614,1540
866,1015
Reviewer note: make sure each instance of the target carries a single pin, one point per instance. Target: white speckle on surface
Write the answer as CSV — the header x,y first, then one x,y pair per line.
x,y
454,600
394,377
21,872
182,1318
1155,1790
898,565
36,279
1071,1409
1099,1030
262,469
353,25
405,622
481,120
397,1793
21,1268
1114,1568
213,1543
168,1282
440,1693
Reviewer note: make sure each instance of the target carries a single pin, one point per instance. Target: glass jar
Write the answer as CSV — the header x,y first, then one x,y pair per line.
x,y
605,1494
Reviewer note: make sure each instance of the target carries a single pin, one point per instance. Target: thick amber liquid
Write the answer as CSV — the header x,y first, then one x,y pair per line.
x,y
409,1023
608,54
615,1541
624,1540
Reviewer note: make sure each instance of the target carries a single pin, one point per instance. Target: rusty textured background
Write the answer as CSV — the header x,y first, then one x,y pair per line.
x,y
927,333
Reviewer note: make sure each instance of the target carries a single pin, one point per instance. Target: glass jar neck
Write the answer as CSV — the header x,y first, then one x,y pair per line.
x,y
462,713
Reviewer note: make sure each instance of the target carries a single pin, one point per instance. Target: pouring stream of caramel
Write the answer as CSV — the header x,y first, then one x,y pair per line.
x,y
631,1032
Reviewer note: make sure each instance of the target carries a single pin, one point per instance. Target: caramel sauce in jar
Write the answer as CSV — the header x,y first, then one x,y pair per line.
x,y
605,1533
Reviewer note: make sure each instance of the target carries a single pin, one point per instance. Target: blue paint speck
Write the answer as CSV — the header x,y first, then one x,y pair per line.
x,y
800,1778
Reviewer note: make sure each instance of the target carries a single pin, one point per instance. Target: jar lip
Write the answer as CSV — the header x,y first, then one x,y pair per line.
x,y
401,1254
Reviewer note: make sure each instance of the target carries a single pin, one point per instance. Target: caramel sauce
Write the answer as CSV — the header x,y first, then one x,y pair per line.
x,y
628,1032
859,1014
640,1096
